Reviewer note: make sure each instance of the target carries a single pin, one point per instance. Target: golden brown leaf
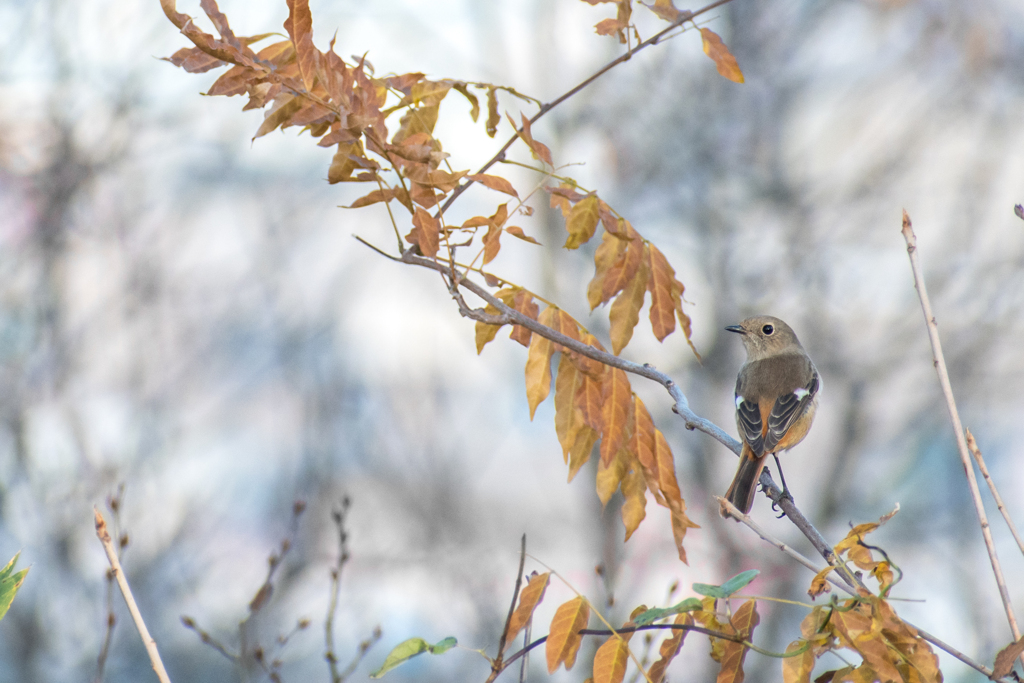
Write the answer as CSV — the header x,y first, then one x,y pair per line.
x,y
279,114
299,25
538,370
567,418
610,660
669,649
563,638
663,311
522,301
492,243
819,584
582,222
495,183
516,231
684,320
858,631
670,489
344,162
581,450
529,598
724,61
234,81
665,9
385,195
625,268
588,400
733,654
634,507
641,445
538,149
485,333
625,312
616,413
609,477
194,60
606,255
797,669
474,103
426,233
493,117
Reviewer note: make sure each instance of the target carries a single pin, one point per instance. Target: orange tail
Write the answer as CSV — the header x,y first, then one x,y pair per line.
x,y
744,485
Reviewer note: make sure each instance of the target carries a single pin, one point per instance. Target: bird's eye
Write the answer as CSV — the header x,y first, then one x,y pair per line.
x,y
768,330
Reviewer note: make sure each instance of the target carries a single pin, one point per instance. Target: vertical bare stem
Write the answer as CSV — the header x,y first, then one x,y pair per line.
x,y
126,591
954,416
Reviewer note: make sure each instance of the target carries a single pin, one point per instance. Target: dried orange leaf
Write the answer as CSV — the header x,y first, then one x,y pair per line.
x,y
426,232
625,312
665,9
624,269
634,507
641,445
538,369
493,117
582,222
743,622
538,149
495,183
279,115
567,418
523,302
492,243
579,454
588,400
610,660
724,61
663,310
670,490
669,649
797,668
616,413
606,255
563,638
299,25
516,231
609,477
529,598
819,584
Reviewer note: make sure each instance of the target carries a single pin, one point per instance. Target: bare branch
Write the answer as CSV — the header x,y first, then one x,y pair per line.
x,y
954,416
126,591
976,452
625,57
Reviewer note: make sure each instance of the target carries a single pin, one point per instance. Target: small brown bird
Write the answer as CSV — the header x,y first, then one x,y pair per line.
x,y
776,396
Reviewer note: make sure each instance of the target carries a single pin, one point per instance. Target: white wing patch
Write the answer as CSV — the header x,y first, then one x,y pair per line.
x,y
739,402
800,393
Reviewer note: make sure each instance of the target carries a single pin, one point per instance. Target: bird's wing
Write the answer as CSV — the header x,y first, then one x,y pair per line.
x,y
786,410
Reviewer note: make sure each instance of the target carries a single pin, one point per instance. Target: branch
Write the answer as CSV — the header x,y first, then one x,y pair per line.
x,y
545,108
691,420
126,591
976,452
958,429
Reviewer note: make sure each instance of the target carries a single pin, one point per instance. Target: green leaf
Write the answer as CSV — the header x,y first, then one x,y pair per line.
x,y
652,615
729,587
408,649
10,582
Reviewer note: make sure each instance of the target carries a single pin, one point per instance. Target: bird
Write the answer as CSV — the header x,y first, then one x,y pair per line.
x,y
776,398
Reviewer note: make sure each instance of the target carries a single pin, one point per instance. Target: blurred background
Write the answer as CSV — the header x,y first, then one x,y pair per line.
x,y
185,312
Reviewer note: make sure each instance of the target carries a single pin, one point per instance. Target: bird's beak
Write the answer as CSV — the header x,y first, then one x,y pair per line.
x,y
736,328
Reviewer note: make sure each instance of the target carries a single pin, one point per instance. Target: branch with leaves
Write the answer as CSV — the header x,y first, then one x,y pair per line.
x,y
382,129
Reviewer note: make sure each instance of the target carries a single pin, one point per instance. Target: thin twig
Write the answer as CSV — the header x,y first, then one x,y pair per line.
x,y
126,591
734,512
954,416
114,502
338,516
976,452
498,665
626,56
